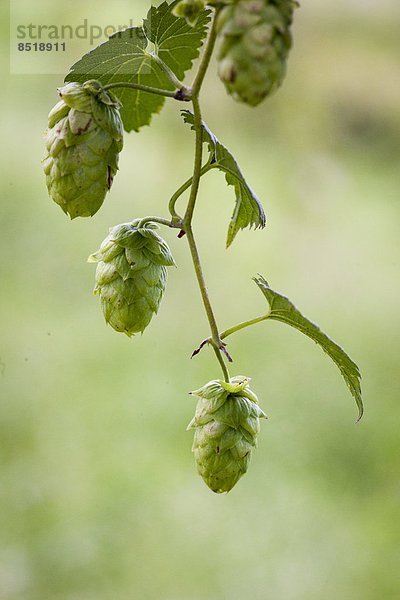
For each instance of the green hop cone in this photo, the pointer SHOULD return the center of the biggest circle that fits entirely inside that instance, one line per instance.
(255, 42)
(131, 275)
(83, 142)
(226, 425)
(189, 10)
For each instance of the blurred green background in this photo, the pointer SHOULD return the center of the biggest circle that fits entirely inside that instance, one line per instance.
(99, 497)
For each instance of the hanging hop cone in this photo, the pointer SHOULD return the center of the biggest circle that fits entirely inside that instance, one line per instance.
(255, 42)
(131, 275)
(83, 142)
(226, 425)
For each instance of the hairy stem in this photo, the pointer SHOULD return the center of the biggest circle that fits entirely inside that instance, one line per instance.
(180, 95)
(198, 159)
(197, 172)
(216, 340)
(222, 363)
(205, 62)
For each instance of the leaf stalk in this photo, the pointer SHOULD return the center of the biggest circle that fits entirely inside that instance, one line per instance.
(243, 325)
(160, 220)
(183, 94)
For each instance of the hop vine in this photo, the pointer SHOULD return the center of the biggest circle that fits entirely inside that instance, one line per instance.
(119, 86)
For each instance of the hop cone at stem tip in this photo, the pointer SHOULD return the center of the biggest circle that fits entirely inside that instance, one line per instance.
(226, 425)
(255, 40)
(83, 142)
(131, 275)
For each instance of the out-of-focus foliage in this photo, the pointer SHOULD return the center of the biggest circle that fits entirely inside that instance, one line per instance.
(99, 497)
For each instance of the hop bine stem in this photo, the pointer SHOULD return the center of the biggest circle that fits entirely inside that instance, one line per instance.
(195, 182)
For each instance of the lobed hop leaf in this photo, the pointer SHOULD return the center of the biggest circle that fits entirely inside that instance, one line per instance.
(248, 211)
(282, 309)
(130, 56)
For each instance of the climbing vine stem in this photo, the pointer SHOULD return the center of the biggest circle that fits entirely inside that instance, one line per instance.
(195, 183)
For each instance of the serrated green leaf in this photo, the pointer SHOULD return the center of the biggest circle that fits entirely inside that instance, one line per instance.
(126, 58)
(282, 309)
(123, 58)
(176, 42)
(248, 210)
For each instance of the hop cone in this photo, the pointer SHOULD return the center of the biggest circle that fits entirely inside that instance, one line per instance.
(189, 10)
(131, 275)
(226, 425)
(255, 43)
(83, 141)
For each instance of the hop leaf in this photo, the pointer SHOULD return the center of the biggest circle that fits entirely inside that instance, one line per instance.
(248, 210)
(283, 310)
(129, 56)
(255, 42)
(131, 275)
(226, 425)
(83, 142)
